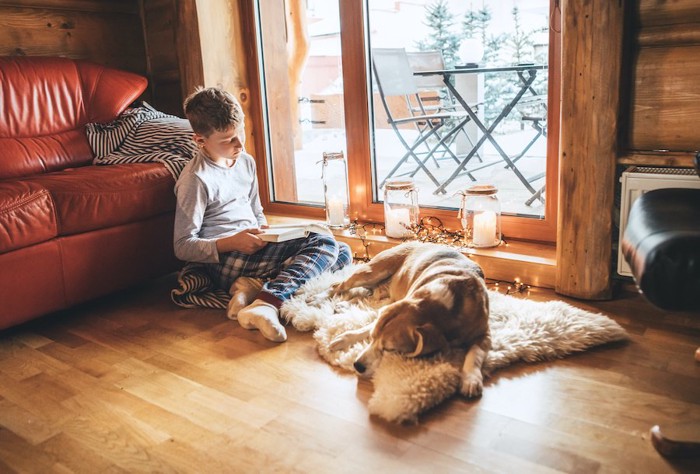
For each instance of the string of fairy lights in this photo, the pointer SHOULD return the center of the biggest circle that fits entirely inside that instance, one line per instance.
(431, 229)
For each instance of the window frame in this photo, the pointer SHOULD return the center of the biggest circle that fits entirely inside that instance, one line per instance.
(353, 23)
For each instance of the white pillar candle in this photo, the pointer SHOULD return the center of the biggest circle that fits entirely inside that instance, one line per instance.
(484, 232)
(336, 213)
(396, 222)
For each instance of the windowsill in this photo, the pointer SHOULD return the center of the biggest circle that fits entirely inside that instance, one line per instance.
(532, 262)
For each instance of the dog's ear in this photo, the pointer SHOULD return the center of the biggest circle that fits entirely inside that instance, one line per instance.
(428, 340)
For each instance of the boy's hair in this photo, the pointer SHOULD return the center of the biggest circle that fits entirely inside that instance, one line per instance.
(212, 110)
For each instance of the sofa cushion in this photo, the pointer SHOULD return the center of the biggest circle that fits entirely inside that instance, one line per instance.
(46, 103)
(27, 215)
(97, 197)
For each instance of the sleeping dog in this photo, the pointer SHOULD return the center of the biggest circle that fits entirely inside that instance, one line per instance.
(438, 302)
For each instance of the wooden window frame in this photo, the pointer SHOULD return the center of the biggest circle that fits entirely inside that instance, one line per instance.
(354, 63)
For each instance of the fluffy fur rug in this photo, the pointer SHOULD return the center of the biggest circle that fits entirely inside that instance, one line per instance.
(521, 330)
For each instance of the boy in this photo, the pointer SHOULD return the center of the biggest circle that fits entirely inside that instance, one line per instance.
(219, 215)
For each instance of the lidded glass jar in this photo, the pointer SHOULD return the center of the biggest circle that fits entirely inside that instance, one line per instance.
(335, 189)
(481, 216)
(401, 209)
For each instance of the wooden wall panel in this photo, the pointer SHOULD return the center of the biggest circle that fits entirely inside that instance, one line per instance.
(135, 35)
(664, 105)
(189, 47)
(159, 29)
(160, 24)
(668, 12)
(666, 99)
(107, 32)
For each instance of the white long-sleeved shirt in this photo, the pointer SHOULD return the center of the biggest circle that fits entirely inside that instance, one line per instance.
(213, 202)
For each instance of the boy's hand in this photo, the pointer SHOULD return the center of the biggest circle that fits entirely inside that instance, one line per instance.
(245, 242)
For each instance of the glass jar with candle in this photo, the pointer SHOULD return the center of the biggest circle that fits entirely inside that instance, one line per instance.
(401, 209)
(335, 189)
(481, 216)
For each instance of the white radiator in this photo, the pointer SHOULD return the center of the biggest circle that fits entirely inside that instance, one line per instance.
(637, 180)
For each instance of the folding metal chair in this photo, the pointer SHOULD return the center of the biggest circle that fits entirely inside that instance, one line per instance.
(432, 95)
(395, 78)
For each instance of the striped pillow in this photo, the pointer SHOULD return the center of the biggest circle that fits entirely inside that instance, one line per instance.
(141, 135)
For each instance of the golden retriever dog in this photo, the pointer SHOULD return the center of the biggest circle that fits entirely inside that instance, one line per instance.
(438, 302)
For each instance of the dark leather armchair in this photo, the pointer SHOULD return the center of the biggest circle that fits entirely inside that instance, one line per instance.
(662, 246)
(661, 243)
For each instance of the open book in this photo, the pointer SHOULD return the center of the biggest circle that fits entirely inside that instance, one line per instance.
(284, 232)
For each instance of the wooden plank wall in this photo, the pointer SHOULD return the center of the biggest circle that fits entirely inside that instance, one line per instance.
(140, 36)
(106, 32)
(164, 34)
(664, 107)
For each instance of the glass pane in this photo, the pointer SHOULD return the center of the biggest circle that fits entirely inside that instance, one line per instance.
(303, 84)
(494, 56)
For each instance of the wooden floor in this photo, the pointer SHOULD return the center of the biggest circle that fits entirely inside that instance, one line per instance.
(131, 383)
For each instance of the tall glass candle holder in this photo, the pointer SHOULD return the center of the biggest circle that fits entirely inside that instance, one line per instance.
(335, 189)
(401, 209)
(480, 215)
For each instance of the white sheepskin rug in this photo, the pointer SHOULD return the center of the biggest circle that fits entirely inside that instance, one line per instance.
(521, 330)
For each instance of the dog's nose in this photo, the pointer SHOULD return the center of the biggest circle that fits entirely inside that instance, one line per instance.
(360, 367)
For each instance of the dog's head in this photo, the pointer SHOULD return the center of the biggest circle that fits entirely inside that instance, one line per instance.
(402, 328)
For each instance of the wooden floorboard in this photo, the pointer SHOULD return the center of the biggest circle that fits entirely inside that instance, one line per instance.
(133, 383)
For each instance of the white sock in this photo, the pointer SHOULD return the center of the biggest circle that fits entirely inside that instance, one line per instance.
(243, 292)
(264, 317)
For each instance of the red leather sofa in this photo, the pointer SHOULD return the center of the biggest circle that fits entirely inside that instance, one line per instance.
(71, 231)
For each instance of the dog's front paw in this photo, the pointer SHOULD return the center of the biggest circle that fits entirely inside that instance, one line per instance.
(337, 288)
(319, 298)
(472, 385)
(340, 342)
(341, 307)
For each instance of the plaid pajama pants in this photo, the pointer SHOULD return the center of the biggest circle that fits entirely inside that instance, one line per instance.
(307, 257)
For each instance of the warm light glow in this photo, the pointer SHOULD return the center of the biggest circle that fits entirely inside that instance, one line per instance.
(359, 189)
(336, 213)
(397, 221)
(484, 233)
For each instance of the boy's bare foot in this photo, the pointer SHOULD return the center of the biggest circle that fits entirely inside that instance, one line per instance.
(264, 317)
(243, 292)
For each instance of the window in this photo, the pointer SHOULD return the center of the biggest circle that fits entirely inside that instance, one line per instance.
(321, 94)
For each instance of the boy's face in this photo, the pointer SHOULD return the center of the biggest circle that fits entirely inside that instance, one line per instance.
(225, 144)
